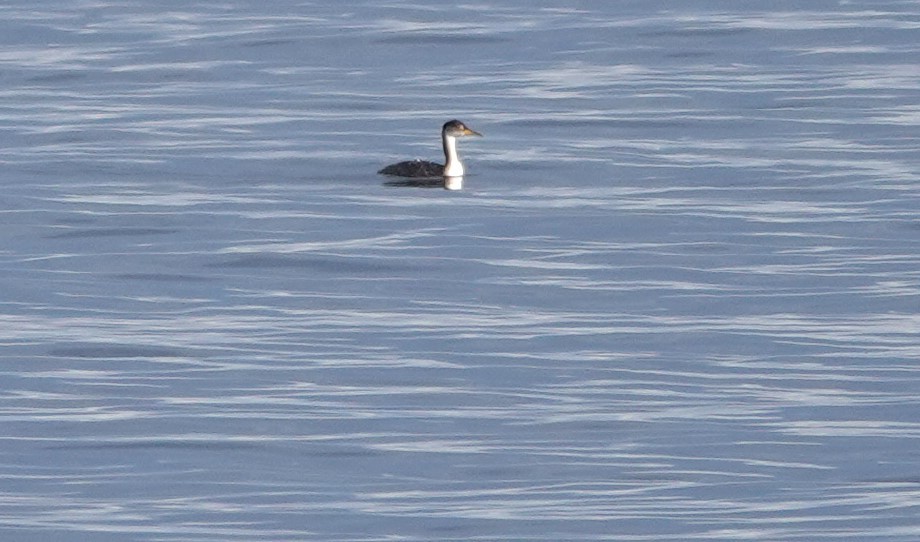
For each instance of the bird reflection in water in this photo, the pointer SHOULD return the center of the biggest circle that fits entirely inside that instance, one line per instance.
(447, 183)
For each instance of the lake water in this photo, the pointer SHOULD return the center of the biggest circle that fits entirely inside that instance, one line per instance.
(676, 298)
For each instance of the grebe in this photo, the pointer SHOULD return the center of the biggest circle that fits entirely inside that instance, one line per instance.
(422, 168)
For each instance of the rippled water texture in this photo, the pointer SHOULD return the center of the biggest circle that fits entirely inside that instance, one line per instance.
(676, 299)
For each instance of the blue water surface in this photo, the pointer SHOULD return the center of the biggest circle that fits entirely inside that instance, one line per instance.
(675, 299)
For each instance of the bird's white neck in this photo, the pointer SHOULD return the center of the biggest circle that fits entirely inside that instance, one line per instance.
(452, 165)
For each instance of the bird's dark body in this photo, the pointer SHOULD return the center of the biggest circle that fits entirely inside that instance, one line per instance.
(414, 168)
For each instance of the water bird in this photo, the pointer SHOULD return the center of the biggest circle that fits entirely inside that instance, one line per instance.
(452, 167)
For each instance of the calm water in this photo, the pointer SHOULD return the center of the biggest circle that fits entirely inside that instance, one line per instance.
(676, 299)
